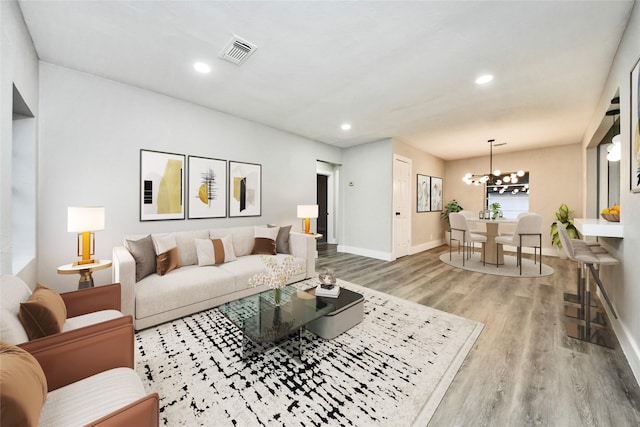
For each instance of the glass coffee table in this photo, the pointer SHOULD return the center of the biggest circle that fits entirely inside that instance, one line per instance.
(264, 324)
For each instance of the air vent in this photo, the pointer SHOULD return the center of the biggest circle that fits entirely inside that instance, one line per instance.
(237, 50)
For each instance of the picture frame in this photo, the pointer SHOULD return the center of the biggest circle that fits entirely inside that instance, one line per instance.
(162, 182)
(245, 189)
(436, 194)
(634, 145)
(423, 196)
(207, 189)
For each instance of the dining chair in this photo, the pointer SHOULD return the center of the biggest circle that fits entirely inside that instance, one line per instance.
(527, 234)
(473, 226)
(520, 215)
(460, 232)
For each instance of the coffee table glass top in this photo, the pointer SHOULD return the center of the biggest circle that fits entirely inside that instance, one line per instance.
(262, 321)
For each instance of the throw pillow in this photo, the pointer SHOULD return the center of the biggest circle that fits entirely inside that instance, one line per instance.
(214, 251)
(167, 261)
(143, 252)
(163, 243)
(23, 387)
(282, 241)
(264, 241)
(43, 313)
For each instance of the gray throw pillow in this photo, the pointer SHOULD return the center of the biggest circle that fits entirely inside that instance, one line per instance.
(282, 241)
(145, 255)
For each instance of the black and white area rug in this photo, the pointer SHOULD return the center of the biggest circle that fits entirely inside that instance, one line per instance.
(391, 369)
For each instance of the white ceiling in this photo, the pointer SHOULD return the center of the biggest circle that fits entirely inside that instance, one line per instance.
(391, 69)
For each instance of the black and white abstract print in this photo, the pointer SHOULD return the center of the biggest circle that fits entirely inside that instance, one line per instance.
(391, 369)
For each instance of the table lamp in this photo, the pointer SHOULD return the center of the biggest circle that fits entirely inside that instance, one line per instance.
(84, 220)
(306, 212)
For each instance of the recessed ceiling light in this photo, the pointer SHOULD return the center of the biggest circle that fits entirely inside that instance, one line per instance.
(484, 79)
(201, 67)
(345, 126)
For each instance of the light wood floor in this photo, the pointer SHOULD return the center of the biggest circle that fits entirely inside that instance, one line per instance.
(523, 369)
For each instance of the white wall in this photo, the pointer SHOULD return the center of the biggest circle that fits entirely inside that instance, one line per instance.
(622, 281)
(91, 131)
(367, 200)
(19, 66)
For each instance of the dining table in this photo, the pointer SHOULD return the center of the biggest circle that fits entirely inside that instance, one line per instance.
(492, 253)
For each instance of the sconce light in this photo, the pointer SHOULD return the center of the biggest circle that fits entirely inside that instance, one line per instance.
(306, 212)
(85, 220)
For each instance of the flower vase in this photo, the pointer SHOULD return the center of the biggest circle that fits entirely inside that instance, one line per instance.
(277, 295)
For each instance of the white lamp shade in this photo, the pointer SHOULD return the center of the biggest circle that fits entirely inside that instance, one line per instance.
(307, 211)
(85, 218)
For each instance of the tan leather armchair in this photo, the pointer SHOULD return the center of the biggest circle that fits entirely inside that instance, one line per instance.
(90, 379)
(85, 309)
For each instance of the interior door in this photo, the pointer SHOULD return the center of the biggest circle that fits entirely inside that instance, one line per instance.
(401, 206)
(321, 198)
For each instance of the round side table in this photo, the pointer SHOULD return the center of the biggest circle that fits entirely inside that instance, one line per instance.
(85, 270)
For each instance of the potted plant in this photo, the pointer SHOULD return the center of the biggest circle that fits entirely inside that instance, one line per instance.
(564, 217)
(495, 210)
(452, 206)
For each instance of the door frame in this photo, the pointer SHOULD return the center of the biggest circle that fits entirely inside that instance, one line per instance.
(407, 160)
(331, 171)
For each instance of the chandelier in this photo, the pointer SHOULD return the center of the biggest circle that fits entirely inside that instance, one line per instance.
(495, 178)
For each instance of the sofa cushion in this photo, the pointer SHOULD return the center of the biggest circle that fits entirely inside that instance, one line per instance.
(247, 266)
(167, 261)
(23, 387)
(144, 253)
(11, 329)
(91, 398)
(14, 291)
(214, 251)
(187, 286)
(43, 313)
(186, 245)
(90, 319)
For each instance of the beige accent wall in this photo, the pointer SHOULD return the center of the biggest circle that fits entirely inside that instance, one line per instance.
(427, 228)
(555, 176)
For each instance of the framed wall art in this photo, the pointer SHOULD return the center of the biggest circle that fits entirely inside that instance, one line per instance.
(161, 185)
(207, 193)
(635, 129)
(423, 188)
(245, 189)
(436, 194)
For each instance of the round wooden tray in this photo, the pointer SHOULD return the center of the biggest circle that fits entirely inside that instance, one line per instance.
(611, 217)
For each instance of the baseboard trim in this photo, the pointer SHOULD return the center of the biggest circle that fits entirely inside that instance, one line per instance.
(628, 345)
(385, 256)
(425, 246)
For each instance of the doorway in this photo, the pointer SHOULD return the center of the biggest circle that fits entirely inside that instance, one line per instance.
(322, 198)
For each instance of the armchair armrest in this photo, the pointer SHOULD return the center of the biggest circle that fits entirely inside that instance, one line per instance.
(141, 413)
(304, 246)
(74, 355)
(89, 300)
(124, 272)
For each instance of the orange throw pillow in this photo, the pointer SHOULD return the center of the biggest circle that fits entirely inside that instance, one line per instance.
(23, 387)
(43, 314)
(167, 261)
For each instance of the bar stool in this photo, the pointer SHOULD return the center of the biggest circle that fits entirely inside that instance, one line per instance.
(591, 259)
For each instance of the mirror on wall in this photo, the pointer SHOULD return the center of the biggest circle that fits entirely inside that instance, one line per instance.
(609, 163)
(511, 191)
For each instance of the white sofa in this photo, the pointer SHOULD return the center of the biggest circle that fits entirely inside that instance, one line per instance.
(192, 288)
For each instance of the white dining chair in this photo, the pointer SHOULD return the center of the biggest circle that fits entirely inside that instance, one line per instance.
(527, 234)
(473, 226)
(520, 215)
(460, 232)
